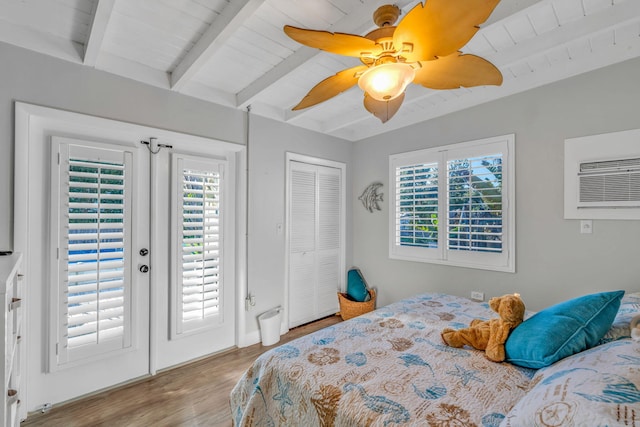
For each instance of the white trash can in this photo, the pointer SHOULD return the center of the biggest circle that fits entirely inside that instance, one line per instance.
(270, 326)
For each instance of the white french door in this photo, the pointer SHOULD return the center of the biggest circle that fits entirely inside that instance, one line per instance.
(129, 248)
(98, 294)
(315, 197)
(200, 319)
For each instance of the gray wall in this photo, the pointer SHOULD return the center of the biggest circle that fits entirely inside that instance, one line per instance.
(43, 80)
(267, 203)
(554, 261)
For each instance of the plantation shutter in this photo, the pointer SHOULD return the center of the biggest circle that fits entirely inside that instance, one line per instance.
(454, 205)
(198, 233)
(94, 274)
(417, 205)
(475, 204)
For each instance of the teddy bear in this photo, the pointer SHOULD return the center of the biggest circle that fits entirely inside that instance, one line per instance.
(489, 335)
(635, 327)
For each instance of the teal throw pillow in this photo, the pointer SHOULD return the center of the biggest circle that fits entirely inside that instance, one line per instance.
(562, 330)
(356, 287)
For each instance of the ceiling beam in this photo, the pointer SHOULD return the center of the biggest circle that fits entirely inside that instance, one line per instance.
(505, 9)
(220, 30)
(354, 21)
(247, 95)
(101, 16)
(611, 17)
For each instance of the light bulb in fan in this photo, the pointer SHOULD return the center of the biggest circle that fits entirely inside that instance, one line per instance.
(386, 81)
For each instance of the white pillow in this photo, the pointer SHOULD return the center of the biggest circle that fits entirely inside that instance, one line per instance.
(629, 308)
(598, 387)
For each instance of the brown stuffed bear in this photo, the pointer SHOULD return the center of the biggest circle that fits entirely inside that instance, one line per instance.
(489, 335)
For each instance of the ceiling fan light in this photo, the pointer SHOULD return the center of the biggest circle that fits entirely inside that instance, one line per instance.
(387, 81)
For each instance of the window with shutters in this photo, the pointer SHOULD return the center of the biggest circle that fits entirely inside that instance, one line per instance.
(455, 205)
(92, 222)
(197, 221)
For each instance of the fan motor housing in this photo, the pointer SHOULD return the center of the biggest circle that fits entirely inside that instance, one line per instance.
(386, 15)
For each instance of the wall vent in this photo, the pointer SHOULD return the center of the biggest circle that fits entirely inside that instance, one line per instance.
(609, 183)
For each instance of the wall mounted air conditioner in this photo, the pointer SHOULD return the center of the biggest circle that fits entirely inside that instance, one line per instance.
(609, 183)
(602, 176)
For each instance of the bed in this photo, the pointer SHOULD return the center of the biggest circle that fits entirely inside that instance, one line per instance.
(389, 367)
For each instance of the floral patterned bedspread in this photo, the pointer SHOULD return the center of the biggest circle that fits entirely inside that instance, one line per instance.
(385, 368)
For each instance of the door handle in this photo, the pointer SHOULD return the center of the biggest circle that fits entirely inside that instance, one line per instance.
(144, 268)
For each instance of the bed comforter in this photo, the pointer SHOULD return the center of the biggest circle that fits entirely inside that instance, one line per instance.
(388, 367)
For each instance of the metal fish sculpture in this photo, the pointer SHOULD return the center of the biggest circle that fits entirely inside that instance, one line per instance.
(370, 198)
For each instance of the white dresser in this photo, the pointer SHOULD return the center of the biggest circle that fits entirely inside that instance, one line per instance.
(11, 322)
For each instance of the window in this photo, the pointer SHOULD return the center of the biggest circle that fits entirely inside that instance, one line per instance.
(197, 230)
(455, 205)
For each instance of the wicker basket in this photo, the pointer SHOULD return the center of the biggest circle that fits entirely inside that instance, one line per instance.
(349, 308)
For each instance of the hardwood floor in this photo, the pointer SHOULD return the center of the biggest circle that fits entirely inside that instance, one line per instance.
(196, 394)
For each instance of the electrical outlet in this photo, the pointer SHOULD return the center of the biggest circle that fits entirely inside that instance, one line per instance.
(477, 296)
(586, 226)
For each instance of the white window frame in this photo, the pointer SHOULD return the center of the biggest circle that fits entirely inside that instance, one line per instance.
(502, 261)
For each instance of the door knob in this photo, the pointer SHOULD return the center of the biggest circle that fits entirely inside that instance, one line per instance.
(144, 268)
(144, 251)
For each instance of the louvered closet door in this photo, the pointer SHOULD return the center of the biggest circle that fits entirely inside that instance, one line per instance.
(98, 306)
(315, 241)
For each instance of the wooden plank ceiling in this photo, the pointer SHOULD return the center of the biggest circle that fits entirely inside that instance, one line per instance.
(235, 53)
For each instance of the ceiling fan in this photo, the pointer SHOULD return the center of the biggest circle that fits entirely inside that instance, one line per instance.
(423, 48)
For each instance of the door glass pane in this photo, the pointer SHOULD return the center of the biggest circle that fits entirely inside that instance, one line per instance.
(200, 244)
(198, 220)
(95, 304)
(94, 285)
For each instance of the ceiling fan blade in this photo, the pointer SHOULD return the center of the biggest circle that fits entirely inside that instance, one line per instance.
(440, 27)
(383, 110)
(340, 43)
(457, 70)
(331, 86)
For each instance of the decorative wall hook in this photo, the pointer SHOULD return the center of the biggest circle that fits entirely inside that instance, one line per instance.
(370, 197)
